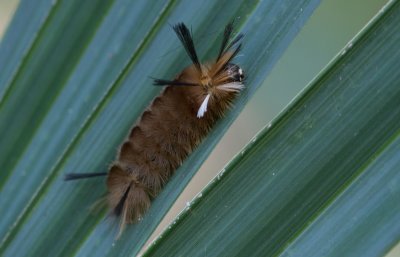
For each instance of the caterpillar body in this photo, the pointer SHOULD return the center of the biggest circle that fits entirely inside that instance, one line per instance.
(172, 127)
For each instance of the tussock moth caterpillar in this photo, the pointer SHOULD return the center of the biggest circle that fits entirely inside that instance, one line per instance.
(171, 127)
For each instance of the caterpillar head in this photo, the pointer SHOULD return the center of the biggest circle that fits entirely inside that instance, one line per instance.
(213, 81)
(220, 84)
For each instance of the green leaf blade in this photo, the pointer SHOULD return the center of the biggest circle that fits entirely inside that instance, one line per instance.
(14, 46)
(99, 120)
(72, 108)
(368, 214)
(42, 75)
(317, 148)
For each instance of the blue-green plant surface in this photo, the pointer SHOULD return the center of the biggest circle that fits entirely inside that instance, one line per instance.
(320, 180)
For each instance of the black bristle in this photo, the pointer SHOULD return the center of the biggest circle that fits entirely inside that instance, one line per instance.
(234, 41)
(164, 82)
(186, 38)
(73, 176)
(237, 50)
(118, 209)
(225, 40)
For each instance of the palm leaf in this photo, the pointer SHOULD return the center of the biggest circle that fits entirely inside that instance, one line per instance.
(321, 180)
(78, 79)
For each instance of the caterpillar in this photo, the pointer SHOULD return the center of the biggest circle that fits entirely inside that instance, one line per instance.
(171, 127)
